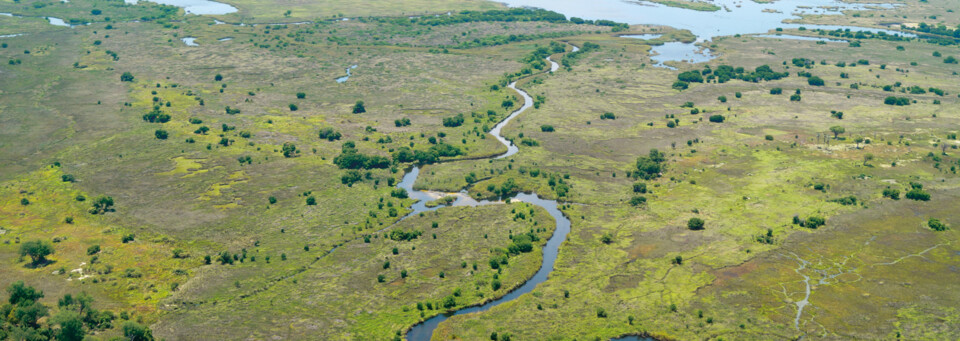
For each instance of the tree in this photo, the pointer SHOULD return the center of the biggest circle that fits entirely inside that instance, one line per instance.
(218, 77)
(161, 134)
(717, 118)
(71, 326)
(358, 108)
(311, 201)
(102, 204)
(126, 77)
(815, 81)
(289, 149)
(38, 250)
(936, 225)
(21, 293)
(301, 95)
(136, 332)
(293, 107)
(837, 130)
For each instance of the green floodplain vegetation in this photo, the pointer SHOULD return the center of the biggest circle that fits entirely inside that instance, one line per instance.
(785, 189)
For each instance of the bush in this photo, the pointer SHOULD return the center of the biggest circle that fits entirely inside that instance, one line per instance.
(454, 121)
(814, 222)
(301, 95)
(161, 134)
(918, 194)
(936, 225)
(680, 85)
(898, 101)
(289, 149)
(717, 118)
(311, 201)
(638, 200)
(722, 99)
(795, 98)
(329, 134)
(695, 224)
(126, 77)
(690, 77)
(608, 116)
(640, 187)
(891, 193)
(358, 108)
(776, 91)
(92, 250)
(815, 81)
(546, 128)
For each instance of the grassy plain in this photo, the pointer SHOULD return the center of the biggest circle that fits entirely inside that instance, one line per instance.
(875, 270)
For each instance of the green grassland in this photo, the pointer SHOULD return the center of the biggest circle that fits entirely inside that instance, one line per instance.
(304, 244)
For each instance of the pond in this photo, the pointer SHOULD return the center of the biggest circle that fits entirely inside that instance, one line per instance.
(190, 41)
(199, 7)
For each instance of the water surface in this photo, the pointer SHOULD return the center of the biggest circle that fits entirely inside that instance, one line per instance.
(199, 7)
(345, 78)
(190, 41)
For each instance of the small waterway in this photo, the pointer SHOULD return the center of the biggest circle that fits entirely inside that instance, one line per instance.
(424, 330)
(345, 78)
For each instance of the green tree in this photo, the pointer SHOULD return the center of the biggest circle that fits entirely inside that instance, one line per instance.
(358, 108)
(289, 149)
(301, 95)
(71, 326)
(21, 293)
(161, 134)
(136, 332)
(837, 130)
(102, 204)
(38, 250)
(126, 77)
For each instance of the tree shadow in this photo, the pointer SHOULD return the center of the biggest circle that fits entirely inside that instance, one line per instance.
(39, 264)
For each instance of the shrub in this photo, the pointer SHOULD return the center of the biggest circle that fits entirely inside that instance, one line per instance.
(695, 224)
(311, 201)
(936, 225)
(126, 77)
(329, 134)
(815, 81)
(358, 108)
(301, 95)
(722, 99)
(776, 91)
(640, 187)
(898, 101)
(289, 149)
(814, 222)
(638, 200)
(680, 85)
(717, 118)
(918, 194)
(546, 128)
(161, 134)
(891, 193)
(454, 121)
(608, 116)
(92, 250)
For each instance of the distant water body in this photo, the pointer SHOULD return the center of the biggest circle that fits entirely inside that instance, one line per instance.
(199, 7)
(734, 17)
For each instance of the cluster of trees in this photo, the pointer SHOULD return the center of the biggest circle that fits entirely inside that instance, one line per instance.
(156, 116)
(454, 121)
(402, 122)
(429, 156)
(329, 134)
(402, 236)
(936, 225)
(812, 222)
(650, 166)
(522, 243)
(24, 317)
(898, 101)
(724, 73)
(571, 58)
(917, 193)
(850, 34)
(351, 158)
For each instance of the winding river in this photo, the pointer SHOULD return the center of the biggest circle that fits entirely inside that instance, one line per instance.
(424, 330)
